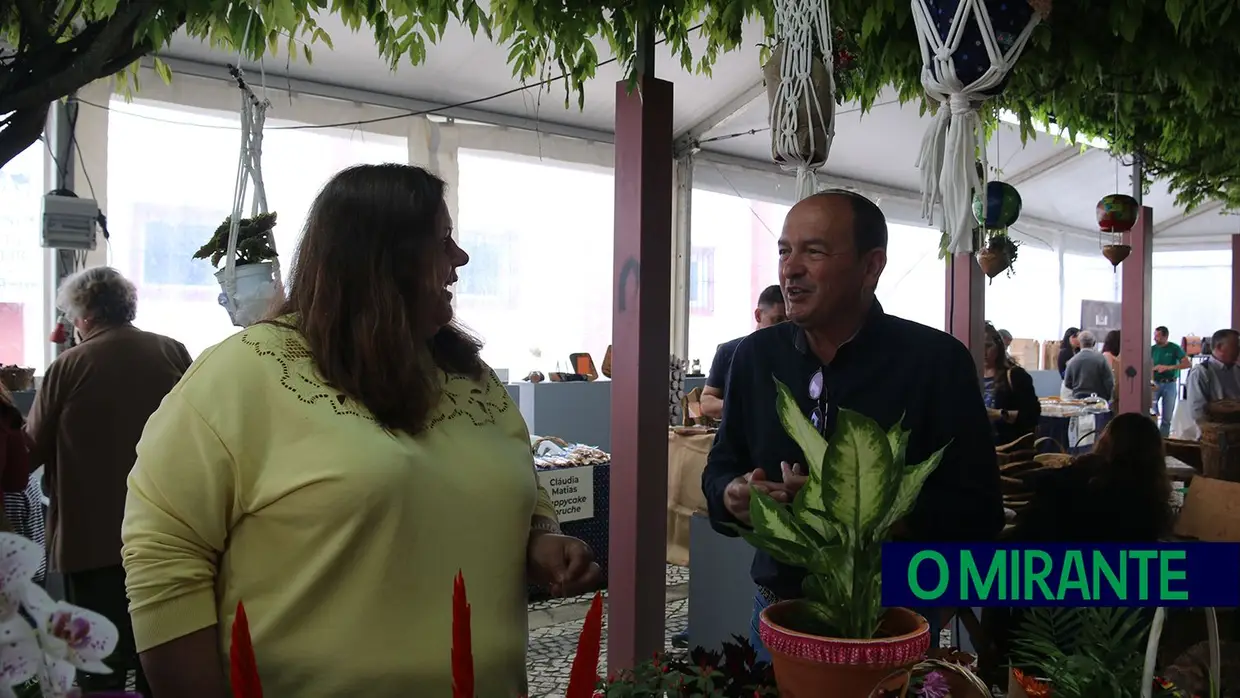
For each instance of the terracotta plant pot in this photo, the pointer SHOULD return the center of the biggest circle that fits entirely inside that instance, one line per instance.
(992, 262)
(1116, 253)
(808, 666)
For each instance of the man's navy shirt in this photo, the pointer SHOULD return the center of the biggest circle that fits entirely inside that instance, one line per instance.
(721, 366)
(892, 367)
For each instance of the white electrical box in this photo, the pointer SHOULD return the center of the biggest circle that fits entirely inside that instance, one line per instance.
(69, 222)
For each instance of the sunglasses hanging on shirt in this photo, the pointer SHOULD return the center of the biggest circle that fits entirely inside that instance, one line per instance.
(818, 392)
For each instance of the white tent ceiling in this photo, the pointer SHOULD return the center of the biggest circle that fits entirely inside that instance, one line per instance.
(873, 152)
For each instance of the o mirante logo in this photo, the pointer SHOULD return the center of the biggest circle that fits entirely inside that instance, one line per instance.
(1060, 574)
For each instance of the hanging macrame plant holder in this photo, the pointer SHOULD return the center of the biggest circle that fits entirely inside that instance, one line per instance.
(249, 290)
(968, 48)
(800, 89)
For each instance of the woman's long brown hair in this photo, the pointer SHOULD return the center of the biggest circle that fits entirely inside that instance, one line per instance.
(365, 287)
(1002, 383)
(1135, 462)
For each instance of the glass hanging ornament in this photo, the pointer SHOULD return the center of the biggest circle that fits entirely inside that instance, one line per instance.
(995, 213)
(1117, 214)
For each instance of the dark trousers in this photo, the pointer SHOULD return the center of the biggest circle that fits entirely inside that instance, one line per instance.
(103, 591)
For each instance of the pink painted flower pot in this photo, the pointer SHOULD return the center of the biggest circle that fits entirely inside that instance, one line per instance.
(808, 666)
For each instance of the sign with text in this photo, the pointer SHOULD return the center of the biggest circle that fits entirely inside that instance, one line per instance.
(571, 490)
(1061, 574)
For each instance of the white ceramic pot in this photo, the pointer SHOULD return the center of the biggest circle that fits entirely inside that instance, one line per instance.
(256, 293)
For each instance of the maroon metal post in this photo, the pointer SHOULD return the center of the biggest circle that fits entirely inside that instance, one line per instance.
(1235, 281)
(641, 334)
(965, 304)
(1136, 365)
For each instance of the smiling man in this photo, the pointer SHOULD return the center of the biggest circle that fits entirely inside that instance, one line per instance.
(839, 349)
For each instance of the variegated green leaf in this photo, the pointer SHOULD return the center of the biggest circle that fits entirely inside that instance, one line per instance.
(858, 481)
(827, 531)
(911, 480)
(784, 551)
(897, 436)
(813, 448)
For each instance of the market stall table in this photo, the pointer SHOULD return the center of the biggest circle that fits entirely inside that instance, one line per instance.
(578, 479)
(1072, 425)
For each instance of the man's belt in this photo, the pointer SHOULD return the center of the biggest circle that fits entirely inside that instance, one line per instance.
(767, 595)
(1160, 381)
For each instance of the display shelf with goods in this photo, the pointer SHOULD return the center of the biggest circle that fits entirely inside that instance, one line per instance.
(577, 478)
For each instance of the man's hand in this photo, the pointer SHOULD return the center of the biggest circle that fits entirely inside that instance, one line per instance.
(736, 495)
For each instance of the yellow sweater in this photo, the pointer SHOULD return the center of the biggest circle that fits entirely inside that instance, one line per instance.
(255, 482)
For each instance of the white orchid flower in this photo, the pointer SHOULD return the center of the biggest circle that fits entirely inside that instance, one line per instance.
(40, 637)
(20, 559)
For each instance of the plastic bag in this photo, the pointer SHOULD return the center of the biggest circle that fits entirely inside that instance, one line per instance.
(1182, 425)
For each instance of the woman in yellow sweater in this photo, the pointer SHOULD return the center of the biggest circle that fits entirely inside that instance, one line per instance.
(334, 468)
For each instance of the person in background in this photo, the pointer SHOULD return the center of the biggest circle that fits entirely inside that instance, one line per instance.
(335, 468)
(1110, 351)
(770, 311)
(1007, 339)
(1011, 401)
(1068, 348)
(1216, 378)
(1089, 373)
(841, 350)
(14, 457)
(85, 423)
(1168, 359)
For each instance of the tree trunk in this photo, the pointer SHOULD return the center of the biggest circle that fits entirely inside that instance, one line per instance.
(21, 129)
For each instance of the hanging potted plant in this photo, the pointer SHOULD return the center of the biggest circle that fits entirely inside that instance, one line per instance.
(838, 641)
(257, 275)
(801, 92)
(997, 212)
(998, 255)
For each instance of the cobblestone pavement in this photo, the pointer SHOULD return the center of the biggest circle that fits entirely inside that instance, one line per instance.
(555, 626)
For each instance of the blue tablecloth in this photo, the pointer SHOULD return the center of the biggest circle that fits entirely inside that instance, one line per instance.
(595, 530)
(1057, 428)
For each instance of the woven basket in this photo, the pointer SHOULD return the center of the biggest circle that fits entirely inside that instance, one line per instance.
(1151, 650)
(1225, 411)
(16, 378)
(1220, 451)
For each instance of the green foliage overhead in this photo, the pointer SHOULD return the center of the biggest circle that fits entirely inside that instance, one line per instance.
(50, 49)
(561, 35)
(1160, 69)
(858, 487)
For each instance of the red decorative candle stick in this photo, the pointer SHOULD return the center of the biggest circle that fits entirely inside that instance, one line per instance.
(584, 675)
(462, 642)
(244, 667)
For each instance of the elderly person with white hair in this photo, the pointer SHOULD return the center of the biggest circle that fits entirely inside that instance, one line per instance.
(1089, 372)
(85, 424)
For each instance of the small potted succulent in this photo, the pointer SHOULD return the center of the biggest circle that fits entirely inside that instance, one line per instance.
(257, 282)
(838, 641)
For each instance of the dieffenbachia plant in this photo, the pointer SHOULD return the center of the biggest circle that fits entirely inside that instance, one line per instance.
(858, 487)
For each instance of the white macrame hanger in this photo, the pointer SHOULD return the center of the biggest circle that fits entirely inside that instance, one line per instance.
(249, 170)
(802, 23)
(947, 160)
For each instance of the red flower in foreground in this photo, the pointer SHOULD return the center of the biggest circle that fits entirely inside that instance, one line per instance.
(462, 642)
(244, 668)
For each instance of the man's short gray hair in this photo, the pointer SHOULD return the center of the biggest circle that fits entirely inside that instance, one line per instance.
(1087, 339)
(99, 294)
